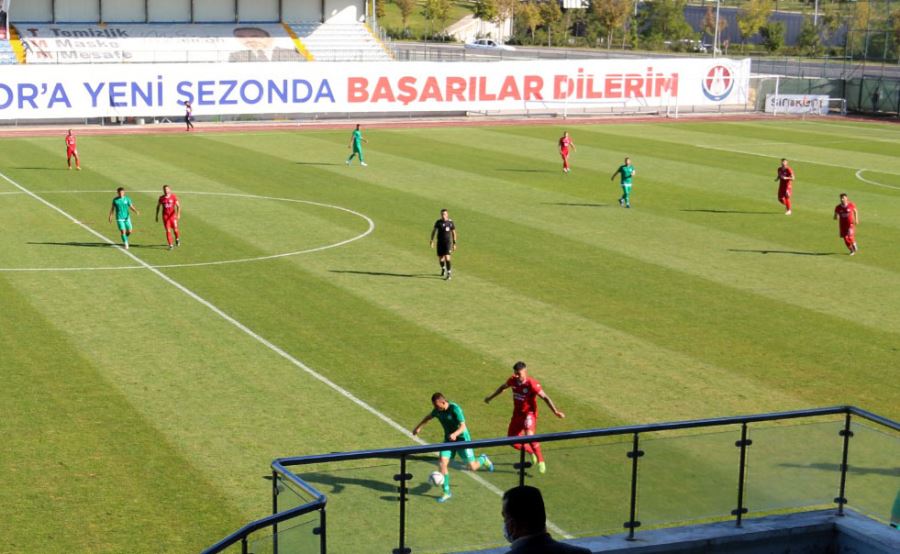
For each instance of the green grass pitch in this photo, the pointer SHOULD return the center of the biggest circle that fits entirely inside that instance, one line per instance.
(137, 418)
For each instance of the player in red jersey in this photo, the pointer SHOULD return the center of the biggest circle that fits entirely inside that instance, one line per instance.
(524, 418)
(848, 219)
(564, 143)
(171, 209)
(785, 179)
(72, 151)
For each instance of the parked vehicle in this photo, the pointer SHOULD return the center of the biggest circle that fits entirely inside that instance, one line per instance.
(487, 44)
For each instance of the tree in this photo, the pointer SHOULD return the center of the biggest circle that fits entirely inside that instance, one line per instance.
(612, 15)
(406, 9)
(437, 11)
(773, 36)
(486, 10)
(665, 21)
(752, 17)
(552, 16)
(808, 41)
(530, 16)
(379, 8)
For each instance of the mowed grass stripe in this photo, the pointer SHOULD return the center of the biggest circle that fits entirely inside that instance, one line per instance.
(77, 447)
(661, 240)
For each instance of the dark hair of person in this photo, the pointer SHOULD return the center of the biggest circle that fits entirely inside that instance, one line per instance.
(519, 366)
(525, 506)
(437, 396)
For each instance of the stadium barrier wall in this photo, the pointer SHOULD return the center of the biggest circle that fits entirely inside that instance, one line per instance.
(30, 92)
(293, 498)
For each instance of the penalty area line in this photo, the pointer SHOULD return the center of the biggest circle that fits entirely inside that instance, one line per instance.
(255, 336)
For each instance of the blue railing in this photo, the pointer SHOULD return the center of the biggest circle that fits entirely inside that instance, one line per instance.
(318, 503)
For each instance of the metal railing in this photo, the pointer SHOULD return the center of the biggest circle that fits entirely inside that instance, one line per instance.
(282, 474)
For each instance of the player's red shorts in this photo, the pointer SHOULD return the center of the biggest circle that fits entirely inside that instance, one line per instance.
(784, 191)
(848, 231)
(71, 152)
(521, 424)
(170, 222)
(564, 152)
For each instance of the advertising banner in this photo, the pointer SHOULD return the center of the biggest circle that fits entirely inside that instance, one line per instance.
(797, 103)
(150, 90)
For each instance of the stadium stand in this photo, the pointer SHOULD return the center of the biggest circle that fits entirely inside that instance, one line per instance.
(156, 43)
(7, 54)
(340, 42)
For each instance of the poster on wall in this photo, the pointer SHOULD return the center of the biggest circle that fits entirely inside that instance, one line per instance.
(131, 90)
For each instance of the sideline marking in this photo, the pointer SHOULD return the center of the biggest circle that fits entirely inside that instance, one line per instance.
(366, 233)
(252, 334)
(861, 178)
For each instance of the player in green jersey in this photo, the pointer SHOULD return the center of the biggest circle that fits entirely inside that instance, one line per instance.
(356, 140)
(455, 430)
(625, 172)
(122, 206)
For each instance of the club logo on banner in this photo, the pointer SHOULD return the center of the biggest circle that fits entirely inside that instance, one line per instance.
(718, 83)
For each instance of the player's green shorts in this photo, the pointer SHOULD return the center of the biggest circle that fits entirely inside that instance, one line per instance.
(465, 454)
(124, 224)
(626, 188)
(357, 148)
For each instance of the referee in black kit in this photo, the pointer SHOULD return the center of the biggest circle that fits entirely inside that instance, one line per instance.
(446, 241)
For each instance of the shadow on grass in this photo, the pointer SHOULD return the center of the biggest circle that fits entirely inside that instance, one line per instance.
(790, 252)
(518, 170)
(854, 469)
(575, 204)
(387, 274)
(99, 244)
(732, 212)
(317, 163)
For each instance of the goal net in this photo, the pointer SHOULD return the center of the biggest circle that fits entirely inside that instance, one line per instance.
(778, 94)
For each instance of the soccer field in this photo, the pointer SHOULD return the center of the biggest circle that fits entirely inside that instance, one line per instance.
(145, 393)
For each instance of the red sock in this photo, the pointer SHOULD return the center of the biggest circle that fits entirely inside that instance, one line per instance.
(537, 451)
(169, 237)
(787, 203)
(176, 234)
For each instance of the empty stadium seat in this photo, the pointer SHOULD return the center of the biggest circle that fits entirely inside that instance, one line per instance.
(340, 42)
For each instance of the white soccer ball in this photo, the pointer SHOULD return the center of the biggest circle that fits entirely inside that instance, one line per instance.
(436, 478)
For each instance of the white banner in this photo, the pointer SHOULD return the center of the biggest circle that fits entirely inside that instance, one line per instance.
(797, 103)
(130, 90)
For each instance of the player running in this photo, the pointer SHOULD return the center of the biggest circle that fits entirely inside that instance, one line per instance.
(625, 172)
(121, 205)
(564, 143)
(445, 230)
(455, 430)
(356, 140)
(785, 180)
(72, 151)
(848, 219)
(524, 419)
(171, 209)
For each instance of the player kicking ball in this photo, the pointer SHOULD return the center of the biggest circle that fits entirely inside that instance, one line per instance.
(122, 206)
(171, 210)
(848, 219)
(526, 390)
(455, 430)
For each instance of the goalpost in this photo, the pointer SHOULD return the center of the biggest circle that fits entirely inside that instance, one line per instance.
(779, 94)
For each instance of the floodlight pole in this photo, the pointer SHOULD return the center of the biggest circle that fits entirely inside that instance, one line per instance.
(716, 35)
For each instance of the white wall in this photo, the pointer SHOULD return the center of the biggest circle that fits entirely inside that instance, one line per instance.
(123, 11)
(77, 11)
(169, 11)
(258, 10)
(301, 10)
(337, 11)
(31, 10)
(217, 11)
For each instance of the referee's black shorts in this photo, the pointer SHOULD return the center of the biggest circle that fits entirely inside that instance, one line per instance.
(444, 248)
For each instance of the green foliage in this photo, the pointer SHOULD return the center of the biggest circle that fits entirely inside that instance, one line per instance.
(551, 14)
(487, 10)
(611, 16)
(664, 20)
(406, 9)
(379, 8)
(773, 36)
(752, 17)
(808, 42)
(530, 17)
(437, 12)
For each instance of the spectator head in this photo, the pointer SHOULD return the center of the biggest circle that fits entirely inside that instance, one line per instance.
(253, 38)
(523, 512)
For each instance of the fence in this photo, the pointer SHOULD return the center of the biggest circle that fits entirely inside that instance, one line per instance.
(616, 478)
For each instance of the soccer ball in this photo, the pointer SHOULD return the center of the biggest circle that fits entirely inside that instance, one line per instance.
(436, 478)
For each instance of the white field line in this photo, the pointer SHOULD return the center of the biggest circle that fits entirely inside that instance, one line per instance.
(877, 184)
(252, 334)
